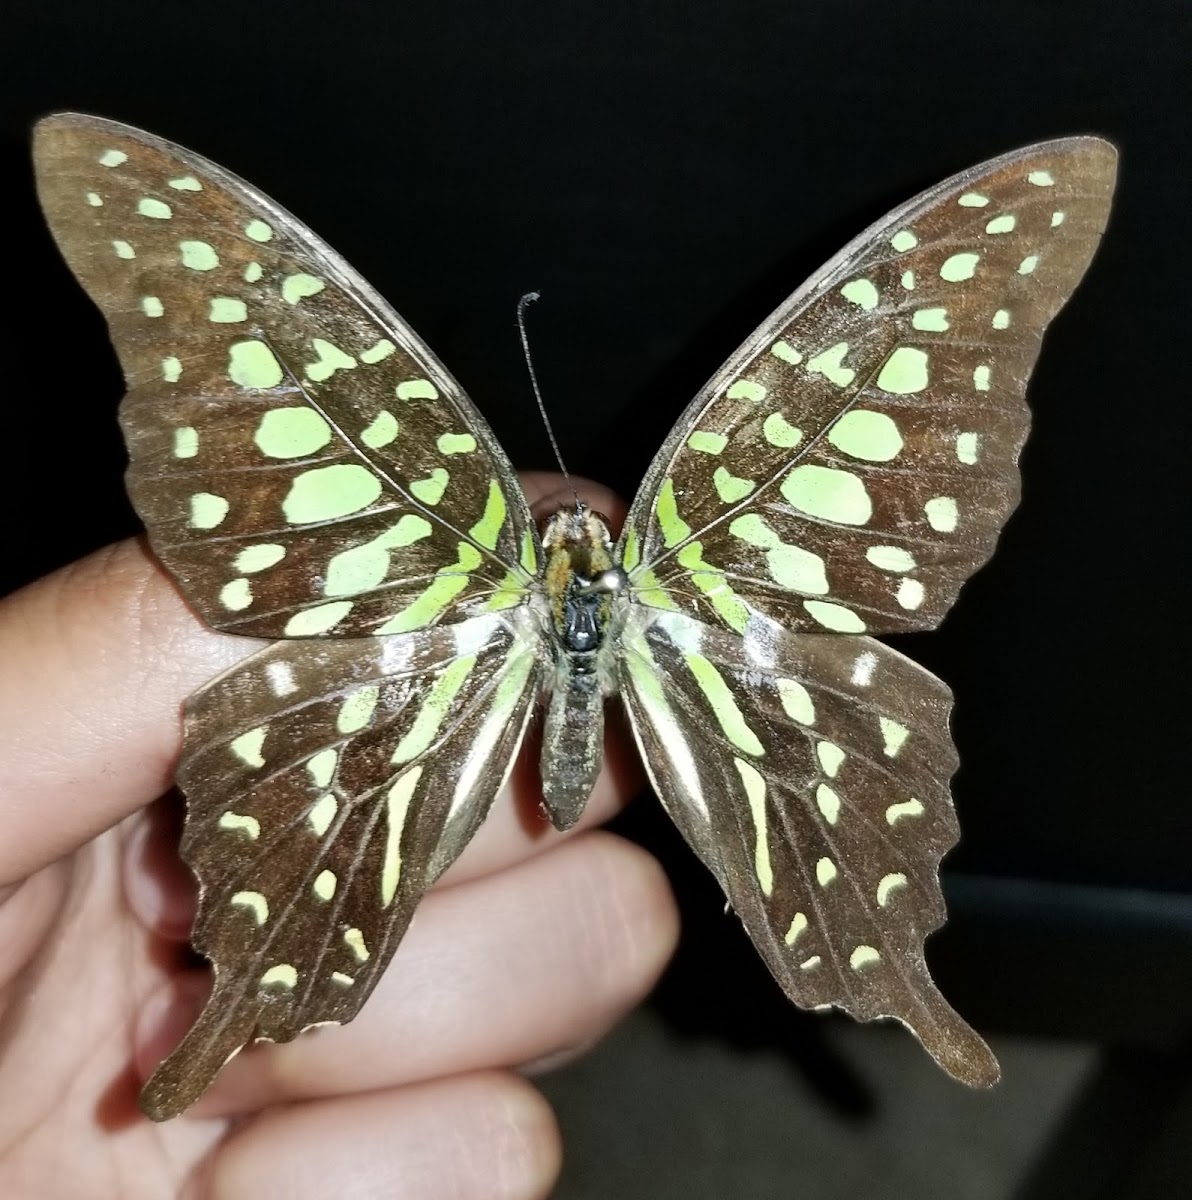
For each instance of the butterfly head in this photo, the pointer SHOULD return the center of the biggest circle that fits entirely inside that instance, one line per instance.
(576, 525)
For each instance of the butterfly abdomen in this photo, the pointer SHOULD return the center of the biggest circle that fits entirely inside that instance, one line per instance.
(581, 586)
(572, 738)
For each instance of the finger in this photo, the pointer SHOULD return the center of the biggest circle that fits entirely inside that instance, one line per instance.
(105, 651)
(548, 491)
(493, 973)
(97, 661)
(474, 1137)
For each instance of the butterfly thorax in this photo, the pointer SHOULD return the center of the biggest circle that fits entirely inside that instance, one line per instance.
(582, 585)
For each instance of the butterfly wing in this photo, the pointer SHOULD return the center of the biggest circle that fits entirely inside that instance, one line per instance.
(329, 783)
(853, 463)
(845, 472)
(813, 781)
(308, 471)
(303, 463)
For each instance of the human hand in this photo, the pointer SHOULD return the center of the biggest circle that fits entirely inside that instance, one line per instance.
(418, 1097)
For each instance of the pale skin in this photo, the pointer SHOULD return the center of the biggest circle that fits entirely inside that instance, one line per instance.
(531, 947)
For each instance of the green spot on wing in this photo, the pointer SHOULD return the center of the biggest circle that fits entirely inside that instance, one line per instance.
(328, 493)
(712, 581)
(311, 622)
(198, 256)
(729, 487)
(227, 310)
(381, 431)
(433, 711)
(417, 389)
(891, 558)
(207, 510)
(674, 528)
(778, 431)
(746, 389)
(375, 354)
(730, 718)
(430, 490)
(862, 293)
(872, 436)
(835, 616)
(632, 554)
(364, 567)
(529, 555)
(456, 443)
(825, 492)
(427, 607)
(291, 433)
(707, 443)
(186, 441)
(159, 210)
(487, 530)
(357, 710)
(300, 287)
(331, 359)
(253, 365)
(259, 558)
(904, 372)
(930, 320)
(829, 362)
(236, 595)
(959, 267)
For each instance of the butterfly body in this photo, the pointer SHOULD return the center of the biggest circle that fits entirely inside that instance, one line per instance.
(312, 475)
(584, 592)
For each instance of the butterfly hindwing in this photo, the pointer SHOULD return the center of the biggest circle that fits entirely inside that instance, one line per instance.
(853, 463)
(328, 785)
(304, 464)
(811, 775)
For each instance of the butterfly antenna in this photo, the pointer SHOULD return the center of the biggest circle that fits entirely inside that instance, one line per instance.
(522, 305)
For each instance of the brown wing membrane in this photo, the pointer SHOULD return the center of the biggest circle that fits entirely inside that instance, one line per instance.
(304, 464)
(329, 783)
(810, 773)
(853, 463)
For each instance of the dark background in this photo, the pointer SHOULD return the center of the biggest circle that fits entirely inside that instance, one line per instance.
(665, 173)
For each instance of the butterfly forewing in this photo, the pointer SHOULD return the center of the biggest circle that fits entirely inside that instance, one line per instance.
(854, 462)
(328, 784)
(304, 465)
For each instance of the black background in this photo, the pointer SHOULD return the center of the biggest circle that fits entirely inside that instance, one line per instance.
(665, 173)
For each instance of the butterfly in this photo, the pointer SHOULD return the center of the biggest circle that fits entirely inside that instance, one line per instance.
(310, 474)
